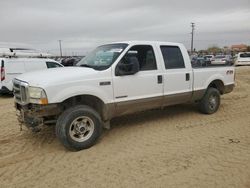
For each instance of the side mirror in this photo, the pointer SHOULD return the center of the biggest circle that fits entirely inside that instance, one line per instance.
(127, 66)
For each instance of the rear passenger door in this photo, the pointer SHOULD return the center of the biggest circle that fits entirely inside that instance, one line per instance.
(142, 90)
(177, 77)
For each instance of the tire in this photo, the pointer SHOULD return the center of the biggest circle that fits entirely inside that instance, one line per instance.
(79, 127)
(210, 102)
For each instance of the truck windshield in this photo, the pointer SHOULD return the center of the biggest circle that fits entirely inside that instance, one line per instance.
(103, 56)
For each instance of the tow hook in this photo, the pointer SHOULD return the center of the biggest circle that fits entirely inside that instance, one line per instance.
(36, 129)
(35, 126)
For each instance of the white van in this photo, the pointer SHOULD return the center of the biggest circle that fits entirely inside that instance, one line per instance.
(12, 67)
(243, 58)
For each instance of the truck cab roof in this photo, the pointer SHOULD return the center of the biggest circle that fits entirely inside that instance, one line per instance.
(135, 42)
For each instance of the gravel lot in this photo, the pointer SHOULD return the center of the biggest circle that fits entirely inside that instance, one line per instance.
(175, 147)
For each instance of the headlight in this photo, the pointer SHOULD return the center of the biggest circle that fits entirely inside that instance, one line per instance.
(37, 95)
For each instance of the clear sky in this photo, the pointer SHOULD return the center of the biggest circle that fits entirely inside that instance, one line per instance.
(83, 24)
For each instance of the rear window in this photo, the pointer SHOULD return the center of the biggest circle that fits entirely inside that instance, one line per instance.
(245, 55)
(172, 56)
(219, 56)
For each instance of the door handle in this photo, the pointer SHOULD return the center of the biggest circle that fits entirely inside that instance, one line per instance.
(159, 79)
(187, 76)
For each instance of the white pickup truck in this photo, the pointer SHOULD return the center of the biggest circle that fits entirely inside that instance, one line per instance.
(114, 80)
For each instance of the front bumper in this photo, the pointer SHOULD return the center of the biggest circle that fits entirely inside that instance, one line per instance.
(242, 63)
(33, 115)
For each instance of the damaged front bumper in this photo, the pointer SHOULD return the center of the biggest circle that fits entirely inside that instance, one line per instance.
(34, 115)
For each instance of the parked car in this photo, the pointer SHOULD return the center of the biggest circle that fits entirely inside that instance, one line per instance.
(243, 58)
(70, 61)
(199, 62)
(222, 60)
(114, 80)
(209, 58)
(12, 67)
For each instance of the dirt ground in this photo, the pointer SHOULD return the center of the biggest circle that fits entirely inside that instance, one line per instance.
(175, 147)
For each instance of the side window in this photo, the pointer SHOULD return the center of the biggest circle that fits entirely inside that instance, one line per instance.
(172, 56)
(52, 65)
(145, 55)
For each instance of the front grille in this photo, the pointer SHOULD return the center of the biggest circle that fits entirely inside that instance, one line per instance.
(20, 90)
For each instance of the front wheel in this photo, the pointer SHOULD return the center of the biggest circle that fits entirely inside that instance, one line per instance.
(210, 102)
(79, 127)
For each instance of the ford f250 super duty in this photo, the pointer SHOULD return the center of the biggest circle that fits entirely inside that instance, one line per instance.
(114, 80)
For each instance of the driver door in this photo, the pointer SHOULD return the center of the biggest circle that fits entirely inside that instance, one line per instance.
(142, 90)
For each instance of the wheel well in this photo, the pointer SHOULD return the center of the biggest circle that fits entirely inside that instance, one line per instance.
(217, 84)
(89, 100)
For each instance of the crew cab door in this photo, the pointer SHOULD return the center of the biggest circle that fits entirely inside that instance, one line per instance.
(177, 76)
(140, 90)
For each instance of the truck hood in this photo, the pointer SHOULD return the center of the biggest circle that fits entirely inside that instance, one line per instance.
(55, 76)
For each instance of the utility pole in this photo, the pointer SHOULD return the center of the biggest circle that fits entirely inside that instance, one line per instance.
(192, 37)
(60, 45)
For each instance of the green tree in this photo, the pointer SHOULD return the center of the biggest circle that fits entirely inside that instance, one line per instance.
(214, 49)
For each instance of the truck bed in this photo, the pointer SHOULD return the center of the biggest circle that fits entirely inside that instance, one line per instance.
(203, 76)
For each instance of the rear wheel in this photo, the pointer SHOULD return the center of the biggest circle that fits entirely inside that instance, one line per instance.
(79, 127)
(210, 102)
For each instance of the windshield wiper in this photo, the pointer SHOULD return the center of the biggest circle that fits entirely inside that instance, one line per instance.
(86, 65)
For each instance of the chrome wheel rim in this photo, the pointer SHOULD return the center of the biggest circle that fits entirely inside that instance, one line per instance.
(81, 129)
(212, 102)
